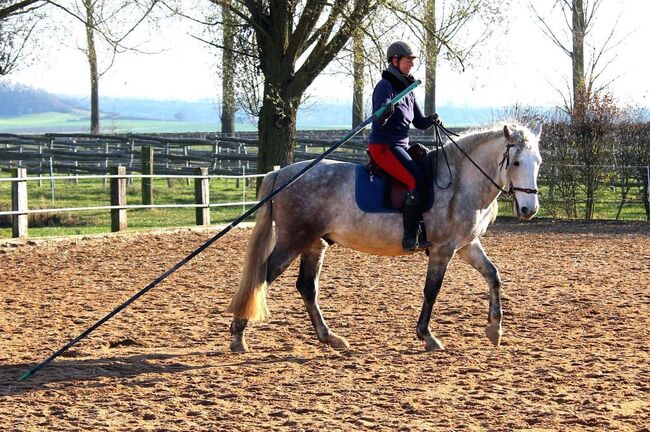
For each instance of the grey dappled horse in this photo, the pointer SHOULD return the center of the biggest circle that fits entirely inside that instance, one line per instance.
(320, 208)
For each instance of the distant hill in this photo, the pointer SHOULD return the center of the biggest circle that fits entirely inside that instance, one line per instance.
(17, 100)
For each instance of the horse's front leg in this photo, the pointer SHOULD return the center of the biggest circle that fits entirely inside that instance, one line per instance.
(438, 261)
(474, 254)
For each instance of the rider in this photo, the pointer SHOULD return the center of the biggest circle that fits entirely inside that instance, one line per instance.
(389, 138)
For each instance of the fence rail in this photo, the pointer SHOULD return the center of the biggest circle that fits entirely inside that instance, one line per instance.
(20, 211)
(87, 153)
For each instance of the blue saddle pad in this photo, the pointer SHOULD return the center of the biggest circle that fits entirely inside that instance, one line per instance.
(369, 192)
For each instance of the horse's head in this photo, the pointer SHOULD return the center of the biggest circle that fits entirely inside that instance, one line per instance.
(521, 162)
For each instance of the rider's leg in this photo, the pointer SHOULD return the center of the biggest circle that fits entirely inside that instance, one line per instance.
(395, 164)
(414, 238)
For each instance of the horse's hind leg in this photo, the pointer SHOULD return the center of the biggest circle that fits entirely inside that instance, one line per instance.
(281, 257)
(311, 261)
(475, 256)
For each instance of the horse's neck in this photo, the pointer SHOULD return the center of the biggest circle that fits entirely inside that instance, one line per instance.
(487, 155)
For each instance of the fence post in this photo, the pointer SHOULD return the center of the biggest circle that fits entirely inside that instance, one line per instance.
(202, 196)
(52, 170)
(105, 161)
(19, 222)
(147, 169)
(118, 198)
(647, 192)
(243, 191)
(187, 162)
(170, 181)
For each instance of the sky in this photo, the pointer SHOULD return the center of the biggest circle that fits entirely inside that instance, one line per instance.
(518, 65)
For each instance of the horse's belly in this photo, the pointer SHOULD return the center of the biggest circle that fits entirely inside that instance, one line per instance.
(373, 234)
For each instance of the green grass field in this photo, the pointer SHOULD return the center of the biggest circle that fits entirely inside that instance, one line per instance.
(92, 192)
(61, 122)
(70, 123)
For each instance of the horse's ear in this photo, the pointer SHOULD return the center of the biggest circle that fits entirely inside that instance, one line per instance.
(506, 133)
(537, 130)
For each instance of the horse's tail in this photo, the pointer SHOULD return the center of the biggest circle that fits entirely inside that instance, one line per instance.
(249, 302)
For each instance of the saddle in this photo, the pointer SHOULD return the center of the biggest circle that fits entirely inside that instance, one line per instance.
(394, 191)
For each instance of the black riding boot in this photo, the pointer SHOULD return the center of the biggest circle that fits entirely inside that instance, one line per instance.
(412, 213)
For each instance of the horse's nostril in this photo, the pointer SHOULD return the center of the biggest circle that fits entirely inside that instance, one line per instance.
(524, 210)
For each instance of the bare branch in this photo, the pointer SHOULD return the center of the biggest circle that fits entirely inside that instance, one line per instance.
(216, 45)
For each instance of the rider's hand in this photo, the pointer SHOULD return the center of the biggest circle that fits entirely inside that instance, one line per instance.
(435, 119)
(390, 109)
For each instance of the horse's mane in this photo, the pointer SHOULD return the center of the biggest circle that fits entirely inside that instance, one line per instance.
(470, 140)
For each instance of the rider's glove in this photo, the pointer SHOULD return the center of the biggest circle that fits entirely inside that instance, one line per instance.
(435, 119)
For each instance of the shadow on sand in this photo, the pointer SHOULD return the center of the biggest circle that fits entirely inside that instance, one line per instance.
(60, 371)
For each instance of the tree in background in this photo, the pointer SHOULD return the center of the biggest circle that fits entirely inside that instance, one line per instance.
(632, 158)
(579, 17)
(18, 19)
(111, 23)
(286, 31)
(228, 67)
(235, 47)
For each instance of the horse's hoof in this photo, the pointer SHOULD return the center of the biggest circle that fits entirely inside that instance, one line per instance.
(238, 345)
(433, 344)
(337, 342)
(494, 333)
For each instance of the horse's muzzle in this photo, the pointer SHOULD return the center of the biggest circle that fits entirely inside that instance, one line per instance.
(527, 213)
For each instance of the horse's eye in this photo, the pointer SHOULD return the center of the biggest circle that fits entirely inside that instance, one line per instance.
(516, 163)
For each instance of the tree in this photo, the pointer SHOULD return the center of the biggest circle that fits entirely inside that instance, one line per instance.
(358, 77)
(228, 106)
(594, 117)
(579, 18)
(107, 25)
(18, 19)
(234, 42)
(295, 41)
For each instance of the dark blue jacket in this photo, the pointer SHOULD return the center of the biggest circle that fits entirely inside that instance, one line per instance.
(395, 130)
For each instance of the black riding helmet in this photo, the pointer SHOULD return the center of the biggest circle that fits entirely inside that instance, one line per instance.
(399, 49)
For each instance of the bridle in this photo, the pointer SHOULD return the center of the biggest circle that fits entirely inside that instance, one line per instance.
(505, 160)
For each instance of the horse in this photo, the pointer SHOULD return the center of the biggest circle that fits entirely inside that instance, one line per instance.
(319, 209)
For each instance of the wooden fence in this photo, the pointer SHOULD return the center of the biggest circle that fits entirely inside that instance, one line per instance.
(85, 153)
(118, 207)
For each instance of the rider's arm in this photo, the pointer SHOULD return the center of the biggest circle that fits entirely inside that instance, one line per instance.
(421, 121)
(382, 94)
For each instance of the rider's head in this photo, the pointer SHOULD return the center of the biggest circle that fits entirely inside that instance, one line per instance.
(401, 55)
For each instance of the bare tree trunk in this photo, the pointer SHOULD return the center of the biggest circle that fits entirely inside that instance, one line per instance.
(578, 51)
(432, 48)
(92, 62)
(277, 128)
(358, 65)
(228, 106)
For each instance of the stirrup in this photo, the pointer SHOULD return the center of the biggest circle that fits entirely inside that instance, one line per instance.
(422, 242)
